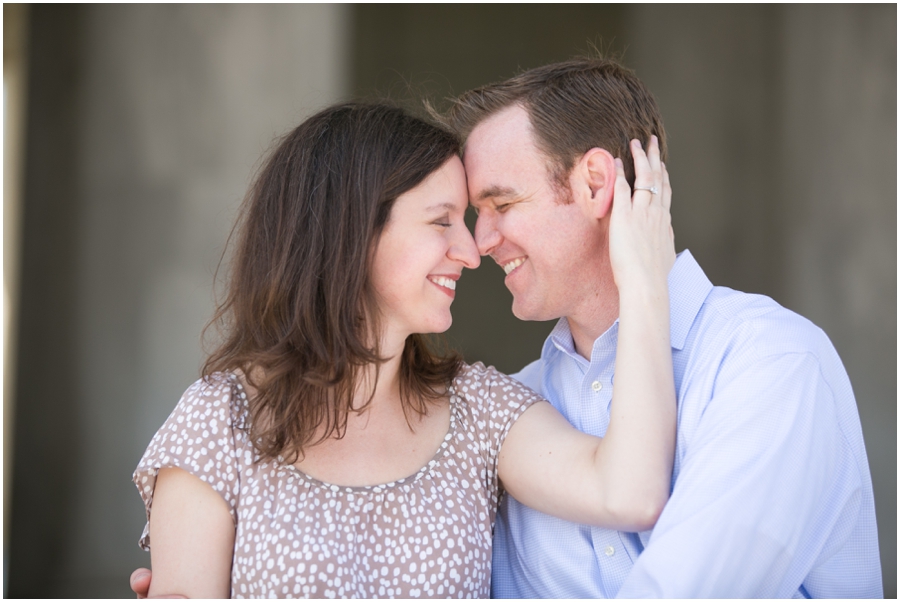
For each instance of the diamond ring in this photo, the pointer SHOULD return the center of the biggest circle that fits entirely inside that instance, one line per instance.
(650, 189)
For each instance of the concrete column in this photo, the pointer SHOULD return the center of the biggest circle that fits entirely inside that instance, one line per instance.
(15, 84)
(840, 150)
(714, 71)
(173, 107)
(783, 133)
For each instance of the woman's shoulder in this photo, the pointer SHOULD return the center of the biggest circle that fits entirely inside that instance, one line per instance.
(211, 406)
(487, 386)
(474, 380)
(210, 414)
(478, 375)
(479, 372)
(215, 385)
(489, 402)
(221, 393)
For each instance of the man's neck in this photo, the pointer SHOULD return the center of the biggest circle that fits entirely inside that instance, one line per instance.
(588, 325)
(596, 306)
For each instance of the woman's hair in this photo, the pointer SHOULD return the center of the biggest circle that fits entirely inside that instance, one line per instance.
(300, 319)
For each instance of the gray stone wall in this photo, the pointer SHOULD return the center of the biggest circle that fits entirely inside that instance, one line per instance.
(146, 124)
(783, 142)
(840, 113)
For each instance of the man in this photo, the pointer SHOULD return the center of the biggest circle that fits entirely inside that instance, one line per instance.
(771, 492)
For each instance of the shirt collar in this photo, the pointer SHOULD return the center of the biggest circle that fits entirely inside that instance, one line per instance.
(561, 340)
(688, 289)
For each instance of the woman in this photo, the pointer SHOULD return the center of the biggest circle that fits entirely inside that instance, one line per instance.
(328, 452)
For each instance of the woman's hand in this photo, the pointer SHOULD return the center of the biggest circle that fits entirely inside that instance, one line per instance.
(622, 480)
(641, 241)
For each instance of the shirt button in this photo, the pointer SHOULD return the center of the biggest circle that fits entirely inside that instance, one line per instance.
(610, 551)
(596, 386)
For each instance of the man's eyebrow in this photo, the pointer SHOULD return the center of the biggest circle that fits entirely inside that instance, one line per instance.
(494, 192)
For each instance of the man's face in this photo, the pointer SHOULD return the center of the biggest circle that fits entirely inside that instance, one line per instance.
(549, 249)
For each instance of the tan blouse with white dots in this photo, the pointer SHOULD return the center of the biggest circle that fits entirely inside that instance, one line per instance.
(426, 535)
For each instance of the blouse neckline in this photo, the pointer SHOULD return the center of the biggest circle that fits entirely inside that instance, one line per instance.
(379, 487)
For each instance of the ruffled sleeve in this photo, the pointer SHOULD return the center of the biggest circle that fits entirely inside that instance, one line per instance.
(495, 401)
(200, 437)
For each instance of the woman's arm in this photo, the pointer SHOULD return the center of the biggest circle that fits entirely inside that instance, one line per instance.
(191, 538)
(622, 480)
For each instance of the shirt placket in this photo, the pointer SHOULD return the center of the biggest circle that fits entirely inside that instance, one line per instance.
(614, 551)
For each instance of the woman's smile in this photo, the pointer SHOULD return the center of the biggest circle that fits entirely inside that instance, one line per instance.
(447, 284)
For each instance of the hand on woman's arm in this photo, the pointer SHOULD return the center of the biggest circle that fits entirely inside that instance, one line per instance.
(622, 480)
(191, 538)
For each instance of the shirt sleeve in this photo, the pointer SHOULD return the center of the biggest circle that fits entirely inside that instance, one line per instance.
(198, 437)
(747, 515)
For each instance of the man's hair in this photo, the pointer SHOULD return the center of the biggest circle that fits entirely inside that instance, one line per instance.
(574, 106)
(300, 316)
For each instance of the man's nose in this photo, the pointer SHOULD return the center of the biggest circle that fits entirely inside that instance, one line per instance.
(487, 237)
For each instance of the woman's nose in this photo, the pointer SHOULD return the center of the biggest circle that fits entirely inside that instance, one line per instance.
(464, 250)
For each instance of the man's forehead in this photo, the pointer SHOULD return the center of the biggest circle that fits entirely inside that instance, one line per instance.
(501, 158)
(494, 147)
(503, 127)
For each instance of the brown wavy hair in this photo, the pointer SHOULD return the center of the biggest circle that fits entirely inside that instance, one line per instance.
(300, 314)
(573, 106)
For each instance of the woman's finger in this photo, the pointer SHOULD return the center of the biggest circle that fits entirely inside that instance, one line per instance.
(621, 190)
(654, 159)
(666, 188)
(643, 175)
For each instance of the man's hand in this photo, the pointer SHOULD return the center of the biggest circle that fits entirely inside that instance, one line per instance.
(140, 584)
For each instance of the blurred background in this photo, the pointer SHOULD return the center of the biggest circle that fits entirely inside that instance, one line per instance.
(131, 133)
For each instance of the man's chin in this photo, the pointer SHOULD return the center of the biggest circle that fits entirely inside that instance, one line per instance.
(530, 314)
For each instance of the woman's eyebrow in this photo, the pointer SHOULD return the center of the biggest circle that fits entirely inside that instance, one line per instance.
(447, 205)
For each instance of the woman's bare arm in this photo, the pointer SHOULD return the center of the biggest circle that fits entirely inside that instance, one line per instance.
(191, 538)
(622, 480)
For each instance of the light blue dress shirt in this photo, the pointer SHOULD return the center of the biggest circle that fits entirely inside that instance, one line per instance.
(771, 492)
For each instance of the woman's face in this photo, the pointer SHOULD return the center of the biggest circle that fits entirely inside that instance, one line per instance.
(421, 254)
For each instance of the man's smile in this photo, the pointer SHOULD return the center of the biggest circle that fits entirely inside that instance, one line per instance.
(511, 265)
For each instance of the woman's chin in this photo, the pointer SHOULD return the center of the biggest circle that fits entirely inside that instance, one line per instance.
(439, 326)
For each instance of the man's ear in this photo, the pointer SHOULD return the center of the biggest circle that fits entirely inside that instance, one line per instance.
(593, 181)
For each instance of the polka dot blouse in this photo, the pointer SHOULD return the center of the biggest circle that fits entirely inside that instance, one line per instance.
(426, 535)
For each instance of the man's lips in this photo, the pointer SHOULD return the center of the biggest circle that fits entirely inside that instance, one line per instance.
(509, 266)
